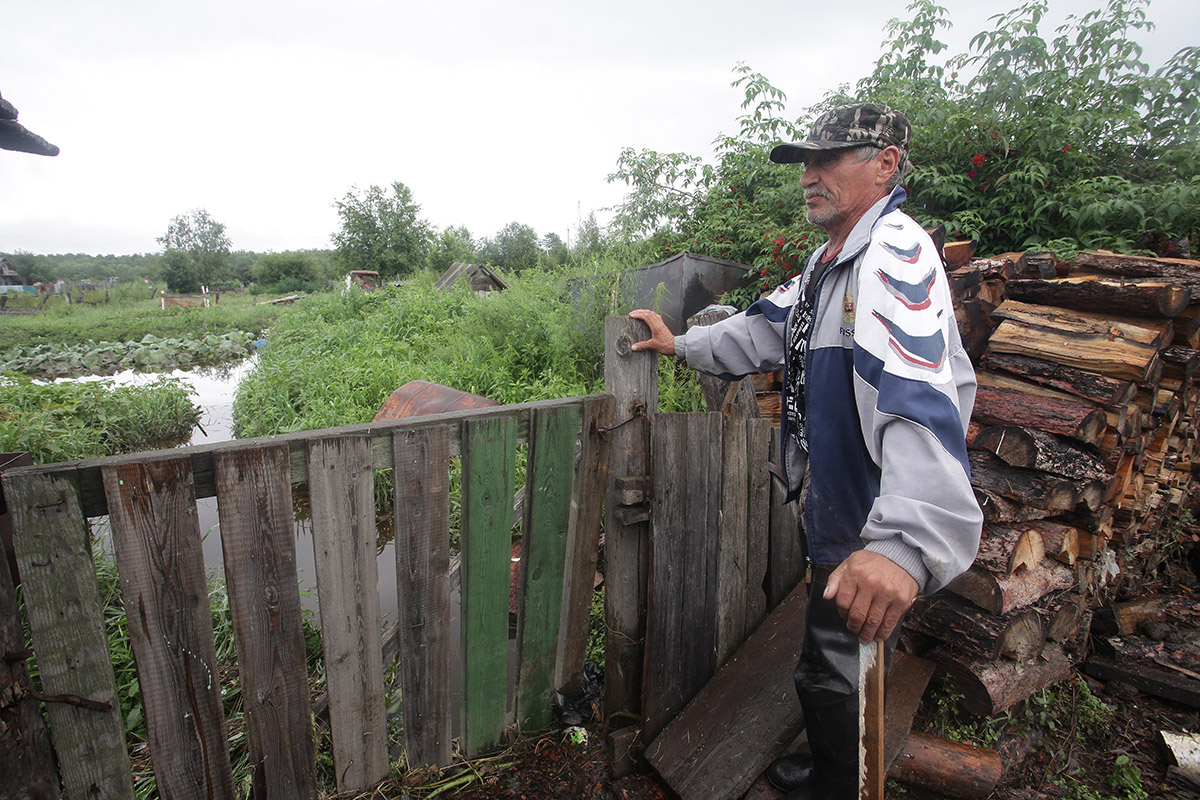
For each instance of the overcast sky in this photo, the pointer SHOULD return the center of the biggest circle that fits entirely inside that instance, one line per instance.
(264, 112)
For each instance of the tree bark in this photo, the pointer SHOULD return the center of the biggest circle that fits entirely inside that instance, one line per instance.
(1077, 420)
(992, 687)
(1144, 298)
(1099, 389)
(1001, 594)
(1184, 272)
(961, 625)
(953, 769)
(993, 478)
(1032, 448)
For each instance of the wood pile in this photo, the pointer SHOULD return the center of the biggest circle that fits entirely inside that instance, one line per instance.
(1082, 446)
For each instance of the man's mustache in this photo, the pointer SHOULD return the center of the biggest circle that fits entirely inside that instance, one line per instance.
(818, 192)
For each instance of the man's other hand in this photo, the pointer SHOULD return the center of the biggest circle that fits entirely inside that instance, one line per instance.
(661, 339)
(872, 592)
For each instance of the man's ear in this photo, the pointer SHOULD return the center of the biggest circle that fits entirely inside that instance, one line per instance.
(888, 162)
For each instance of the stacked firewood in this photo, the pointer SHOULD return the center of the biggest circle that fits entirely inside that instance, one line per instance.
(1082, 445)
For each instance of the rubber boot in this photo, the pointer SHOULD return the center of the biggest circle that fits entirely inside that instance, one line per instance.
(827, 684)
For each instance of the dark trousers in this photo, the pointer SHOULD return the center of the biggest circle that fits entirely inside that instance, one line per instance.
(827, 683)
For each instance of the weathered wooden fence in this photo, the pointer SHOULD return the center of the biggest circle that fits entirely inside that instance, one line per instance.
(151, 501)
(697, 549)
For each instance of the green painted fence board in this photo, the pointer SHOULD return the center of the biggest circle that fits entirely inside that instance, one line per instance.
(489, 453)
(549, 477)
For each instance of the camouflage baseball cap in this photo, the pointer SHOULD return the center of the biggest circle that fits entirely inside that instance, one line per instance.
(850, 126)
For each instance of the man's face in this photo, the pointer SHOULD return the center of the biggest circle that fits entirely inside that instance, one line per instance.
(840, 185)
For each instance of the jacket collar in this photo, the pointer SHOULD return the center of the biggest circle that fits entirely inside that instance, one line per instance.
(860, 235)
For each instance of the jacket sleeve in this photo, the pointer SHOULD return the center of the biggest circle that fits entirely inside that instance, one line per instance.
(748, 343)
(914, 387)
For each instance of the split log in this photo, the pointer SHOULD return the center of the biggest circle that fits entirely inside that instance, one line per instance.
(992, 478)
(960, 624)
(1086, 293)
(1116, 357)
(975, 324)
(1153, 333)
(1182, 271)
(1187, 331)
(1001, 510)
(1004, 549)
(1122, 619)
(1064, 615)
(1180, 363)
(1033, 448)
(1060, 542)
(951, 769)
(1079, 382)
(992, 687)
(1075, 419)
(1003, 594)
(999, 267)
(956, 254)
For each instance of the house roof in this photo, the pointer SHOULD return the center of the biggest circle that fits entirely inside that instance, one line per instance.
(15, 136)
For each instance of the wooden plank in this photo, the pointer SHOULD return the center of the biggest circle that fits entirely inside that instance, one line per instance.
(259, 543)
(632, 379)
(489, 451)
(786, 550)
(907, 678)
(1146, 677)
(743, 719)
(422, 497)
(583, 543)
(341, 488)
(156, 534)
(758, 520)
(871, 724)
(550, 475)
(681, 616)
(62, 605)
(732, 539)
(86, 473)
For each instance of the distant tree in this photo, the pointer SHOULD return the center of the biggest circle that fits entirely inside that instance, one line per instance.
(589, 240)
(289, 271)
(241, 266)
(205, 247)
(554, 250)
(178, 272)
(452, 244)
(513, 249)
(381, 231)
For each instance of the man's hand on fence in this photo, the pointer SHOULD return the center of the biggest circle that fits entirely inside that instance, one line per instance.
(873, 592)
(661, 339)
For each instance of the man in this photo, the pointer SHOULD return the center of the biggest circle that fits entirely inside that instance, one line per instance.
(877, 395)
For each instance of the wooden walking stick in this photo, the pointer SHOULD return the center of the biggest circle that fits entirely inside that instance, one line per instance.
(871, 767)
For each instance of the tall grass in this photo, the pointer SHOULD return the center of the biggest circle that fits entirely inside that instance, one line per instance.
(68, 421)
(333, 359)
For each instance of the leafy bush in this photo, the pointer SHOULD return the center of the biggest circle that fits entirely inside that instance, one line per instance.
(1019, 143)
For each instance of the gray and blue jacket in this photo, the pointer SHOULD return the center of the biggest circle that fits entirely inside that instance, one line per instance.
(888, 395)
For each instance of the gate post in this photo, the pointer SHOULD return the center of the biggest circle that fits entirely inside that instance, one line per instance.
(632, 379)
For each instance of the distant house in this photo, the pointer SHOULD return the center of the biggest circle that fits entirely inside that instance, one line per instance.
(482, 277)
(10, 281)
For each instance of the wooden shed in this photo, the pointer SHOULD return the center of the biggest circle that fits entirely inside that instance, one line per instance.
(482, 277)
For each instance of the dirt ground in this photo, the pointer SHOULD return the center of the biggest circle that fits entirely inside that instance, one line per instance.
(1086, 741)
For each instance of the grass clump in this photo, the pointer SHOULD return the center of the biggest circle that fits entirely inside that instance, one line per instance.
(68, 421)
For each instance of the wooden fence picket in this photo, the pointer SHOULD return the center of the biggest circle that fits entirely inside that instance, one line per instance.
(549, 477)
(156, 534)
(341, 488)
(681, 625)
(259, 542)
(62, 604)
(422, 497)
(489, 452)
